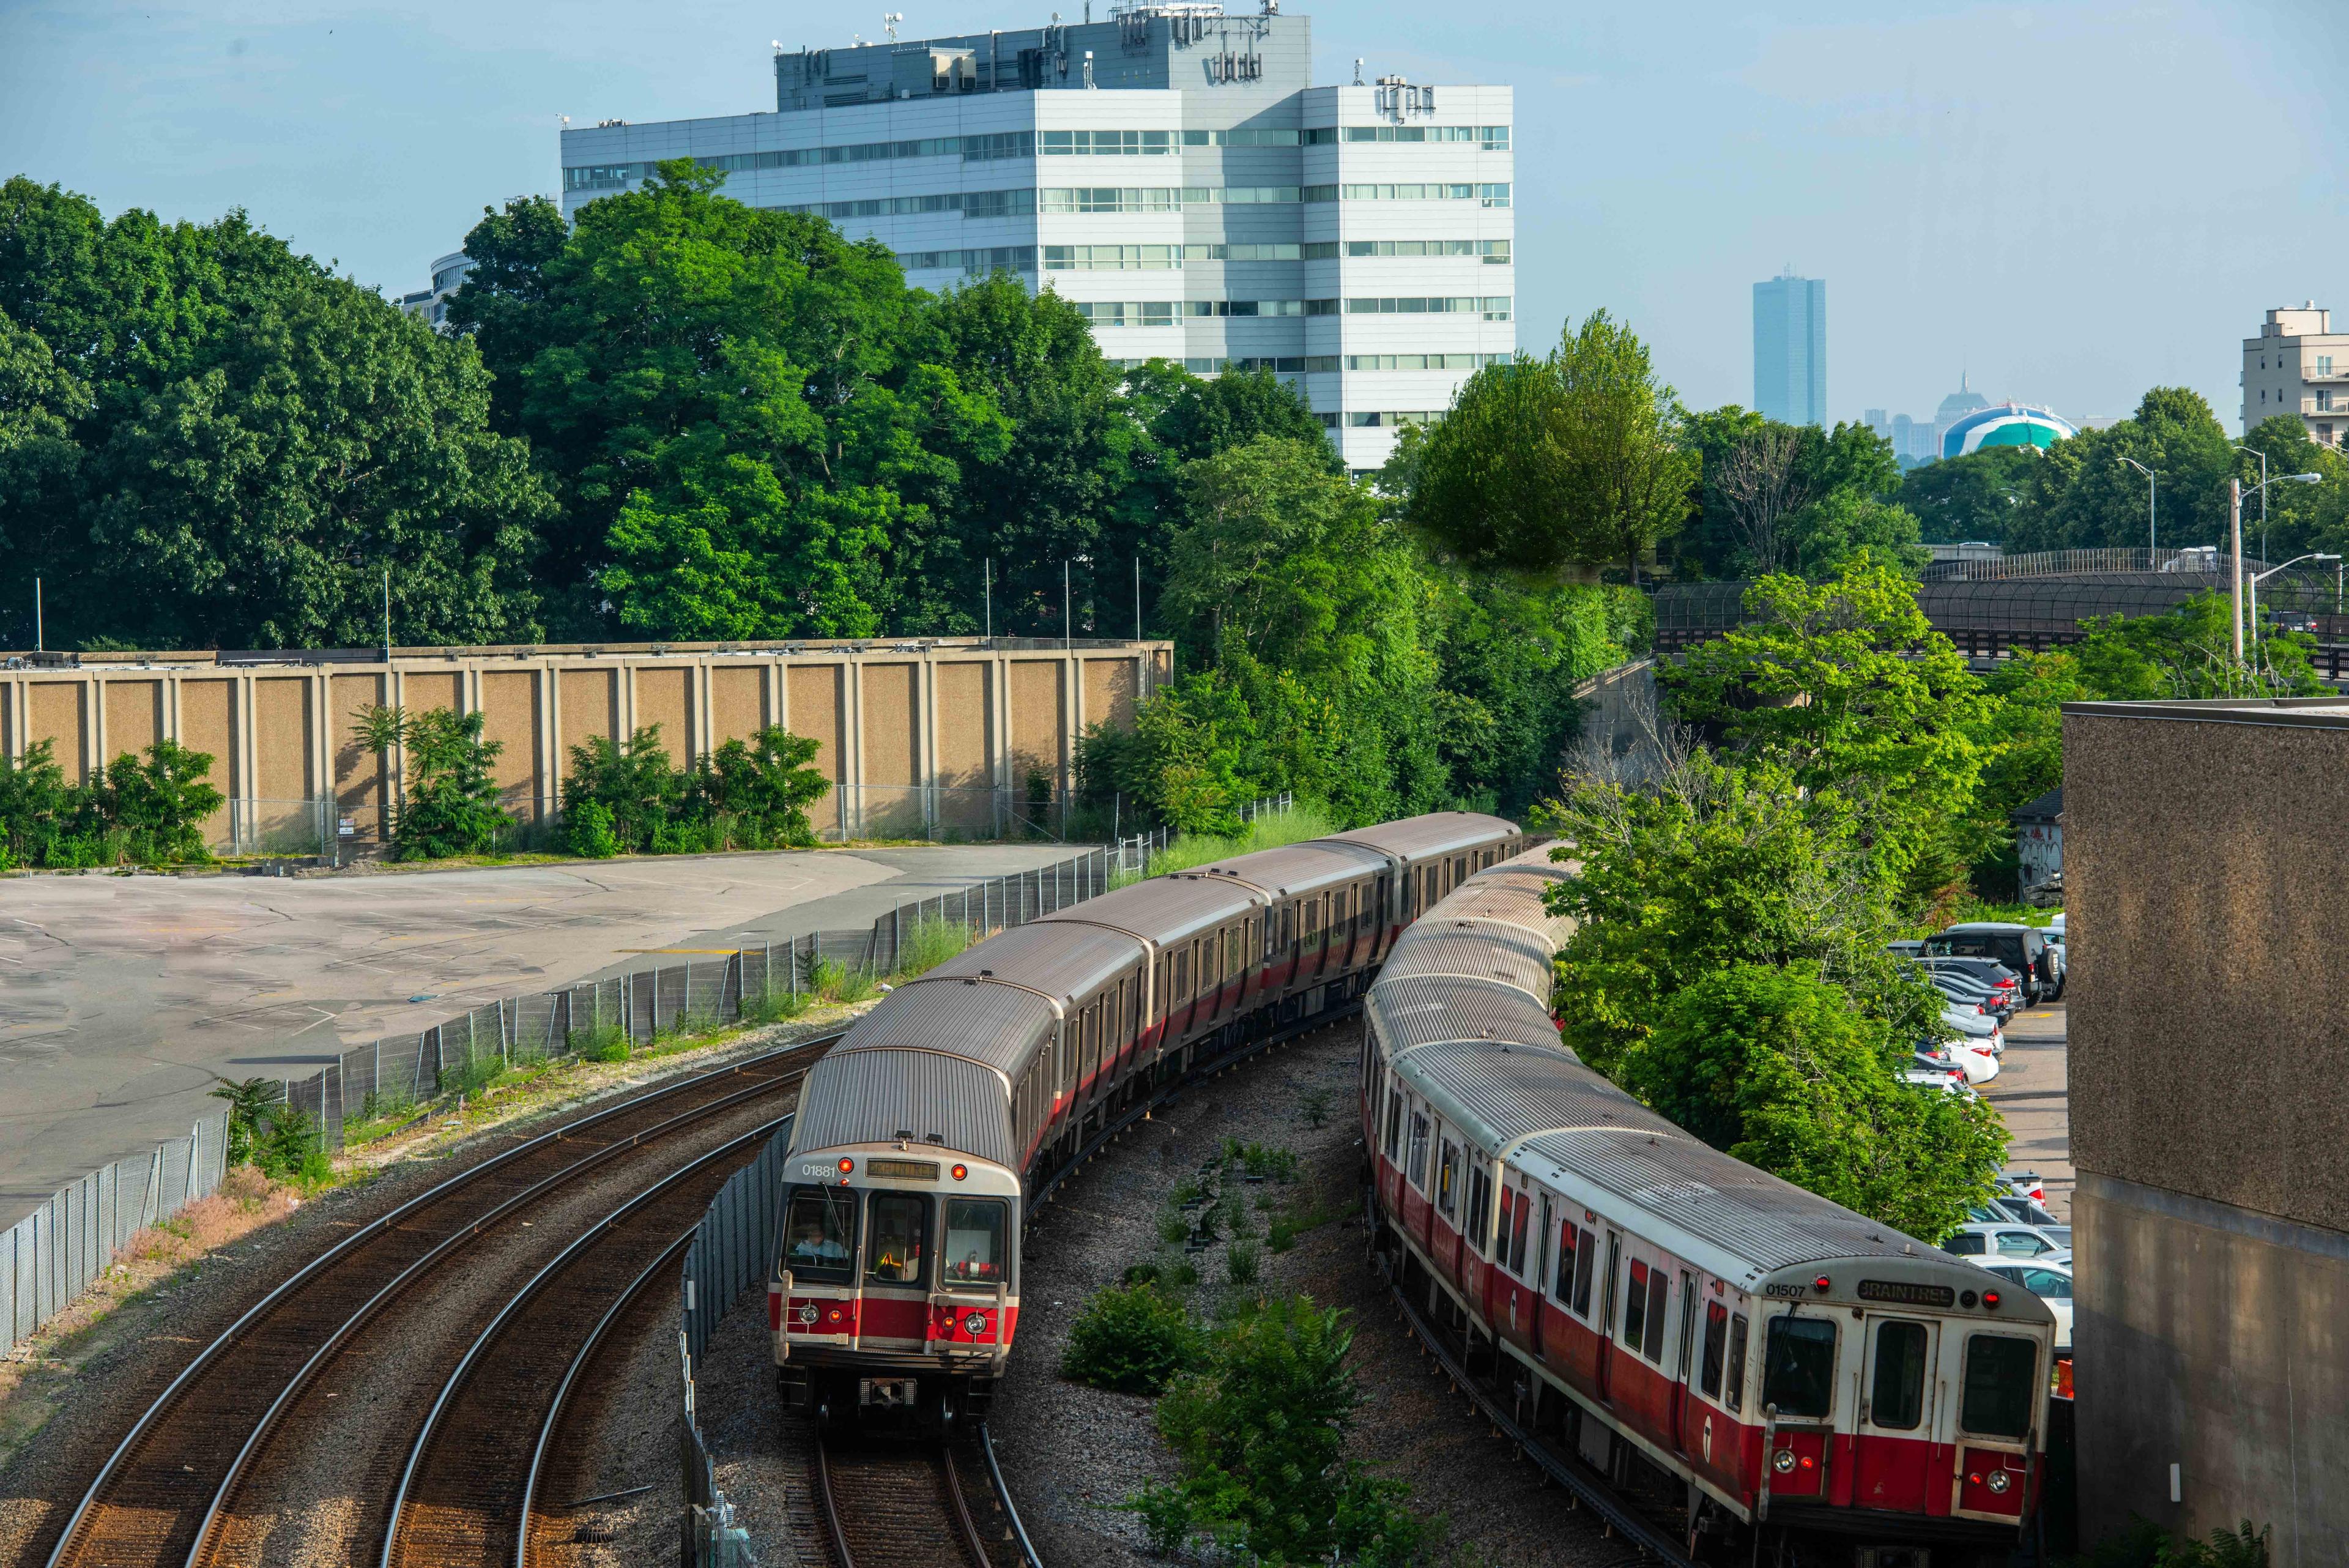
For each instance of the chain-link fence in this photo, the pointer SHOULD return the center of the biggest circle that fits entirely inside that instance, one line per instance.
(55, 1252)
(731, 1249)
(1133, 852)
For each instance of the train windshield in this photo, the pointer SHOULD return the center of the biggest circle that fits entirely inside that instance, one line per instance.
(820, 1233)
(894, 1255)
(1798, 1367)
(1999, 1386)
(975, 1258)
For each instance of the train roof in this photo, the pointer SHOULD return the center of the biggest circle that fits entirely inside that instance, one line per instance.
(1062, 959)
(1484, 949)
(997, 1026)
(1162, 910)
(874, 1095)
(1295, 869)
(1511, 891)
(1438, 833)
(1413, 1012)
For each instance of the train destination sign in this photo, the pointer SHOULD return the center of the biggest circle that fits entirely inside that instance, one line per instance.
(1906, 1293)
(902, 1169)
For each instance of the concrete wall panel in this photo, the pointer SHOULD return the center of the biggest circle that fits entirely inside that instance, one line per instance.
(57, 712)
(587, 698)
(421, 692)
(813, 696)
(892, 716)
(510, 716)
(1110, 688)
(738, 703)
(664, 697)
(966, 726)
(281, 733)
(134, 717)
(1036, 724)
(359, 772)
(207, 724)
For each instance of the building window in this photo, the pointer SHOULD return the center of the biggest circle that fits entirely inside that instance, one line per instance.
(1372, 419)
(1495, 251)
(976, 262)
(1421, 362)
(2324, 364)
(1127, 313)
(1490, 196)
(1106, 143)
(1490, 138)
(1490, 307)
(2323, 400)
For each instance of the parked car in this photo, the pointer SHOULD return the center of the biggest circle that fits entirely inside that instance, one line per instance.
(2022, 948)
(1988, 973)
(2026, 1184)
(1932, 1071)
(1977, 1063)
(2050, 1281)
(2011, 1242)
(1907, 950)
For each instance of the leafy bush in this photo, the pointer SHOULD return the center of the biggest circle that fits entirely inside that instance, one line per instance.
(929, 942)
(600, 1042)
(837, 981)
(774, 1005)
(625, 797)
(1259, 1433)
(451, 805)
(146, 813)
(1243, 1263)
(1130, 1339)
(587, 830)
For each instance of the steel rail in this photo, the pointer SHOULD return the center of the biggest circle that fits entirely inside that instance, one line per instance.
(579, 1361)
(972, 1542)
(841, 1556)
(1003, 1495)
(523, 1298)
(425, 1266)
(172, 1393)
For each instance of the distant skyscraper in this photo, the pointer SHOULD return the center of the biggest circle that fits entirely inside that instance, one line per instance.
(1790, 349)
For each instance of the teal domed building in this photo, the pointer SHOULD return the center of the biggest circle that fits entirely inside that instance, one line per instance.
(2004, 424)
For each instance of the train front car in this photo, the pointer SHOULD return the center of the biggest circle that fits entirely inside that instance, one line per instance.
(895, 1297)
(1800, 1374)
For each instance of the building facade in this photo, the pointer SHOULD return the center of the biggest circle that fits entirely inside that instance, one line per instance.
(2298, 365)
(1790, 349)
(447, 276)
(2202, 854)
(1173, 173)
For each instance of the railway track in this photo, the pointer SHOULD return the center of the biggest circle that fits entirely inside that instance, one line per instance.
(886, 1505)
(472, 1476)
(161, 1498)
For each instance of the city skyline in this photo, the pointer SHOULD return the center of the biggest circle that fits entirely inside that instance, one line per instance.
(1665, 163)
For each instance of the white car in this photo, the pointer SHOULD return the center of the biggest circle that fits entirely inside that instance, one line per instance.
(1984, 1032)
(2050, 1281)
(2008, 1243)
(1974, 1058)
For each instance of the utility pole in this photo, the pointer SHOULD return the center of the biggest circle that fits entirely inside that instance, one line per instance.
(2235, 545)
(38, 645)
(1068, 626)
(1137, 599)
(387, 615)
(990, 598)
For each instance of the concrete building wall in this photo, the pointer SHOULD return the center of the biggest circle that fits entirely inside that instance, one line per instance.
(912, 737)
(2209, 1089)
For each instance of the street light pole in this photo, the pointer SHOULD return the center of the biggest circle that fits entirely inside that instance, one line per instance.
(2263, 576)
(2263, 497)
(2150, 546)
(2235, 561)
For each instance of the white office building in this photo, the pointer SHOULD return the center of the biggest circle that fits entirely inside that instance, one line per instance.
(1173, 173)
(448, 277)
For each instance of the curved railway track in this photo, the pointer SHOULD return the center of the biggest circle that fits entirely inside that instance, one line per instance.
(465, 1497)
(160, 1497)
(892, 1506)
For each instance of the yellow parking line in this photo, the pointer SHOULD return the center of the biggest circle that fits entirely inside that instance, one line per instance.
(728, 952)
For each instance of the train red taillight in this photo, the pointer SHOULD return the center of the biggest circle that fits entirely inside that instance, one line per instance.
(1990, 1299)
(961, 1172)
(1820, 1284)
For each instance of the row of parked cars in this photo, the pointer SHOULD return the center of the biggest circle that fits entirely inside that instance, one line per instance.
(1986, 971)
(2015, 1237)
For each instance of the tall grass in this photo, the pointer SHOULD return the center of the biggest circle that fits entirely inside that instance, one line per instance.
(1269, 832)
(929, 942)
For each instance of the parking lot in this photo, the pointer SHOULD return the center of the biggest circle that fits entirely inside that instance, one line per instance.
(2029, 1092)
(123, 1000)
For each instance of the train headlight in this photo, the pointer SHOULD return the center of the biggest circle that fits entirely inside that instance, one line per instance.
(807, 1313)
(1783, 1460)
(1998, 1483)
(975, 1324)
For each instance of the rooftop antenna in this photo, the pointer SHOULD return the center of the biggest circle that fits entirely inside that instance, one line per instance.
(889, 20)
(1088, 67)
(1358, 70)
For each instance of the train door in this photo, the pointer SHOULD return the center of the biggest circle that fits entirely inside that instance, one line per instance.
(1609, 1294)
(1540, 1276)
(1683, 1369)
(1383, 912)
(1895, 1465)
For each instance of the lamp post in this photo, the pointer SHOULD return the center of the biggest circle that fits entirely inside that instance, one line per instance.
(2263, 494)
(2272, 571)
(2149, 545)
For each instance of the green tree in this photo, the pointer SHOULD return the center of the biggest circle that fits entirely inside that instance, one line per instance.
(2084, 496)
(1979, 497)
(1847, 685)
(1574, 458)
(36, 806)
(757, 791)
(1844, 524)
(451, 803)
(162, 801)
(2300, 517)
(215, 442)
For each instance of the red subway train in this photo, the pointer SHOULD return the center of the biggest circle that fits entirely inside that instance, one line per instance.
(1791, 1375)
(921, 1139)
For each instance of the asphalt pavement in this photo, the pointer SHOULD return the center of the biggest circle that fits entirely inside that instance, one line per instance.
(124, 1000)
(2032, 1092)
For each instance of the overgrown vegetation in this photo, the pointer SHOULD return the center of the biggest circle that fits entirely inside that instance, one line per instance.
(1131, 1339)
(625, 797)
(132, 811)
(283, 1142)
(2145, 1544)
(450, 799)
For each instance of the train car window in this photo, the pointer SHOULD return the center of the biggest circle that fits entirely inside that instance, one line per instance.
(974, 1254)
(1541, 1260)
(1444, 1172)
(1716, 1341)
(1248, 944)
(1234, 958)
(1394, 1121)
(1584, 1267)
(1895, 1391)
(1565, 1250)
(1635, 1306)
(1999, 1386)
(1179, 991)
(820, 1233)
(1659, 1295)
(1798, 1367)
(1500, 1243)
(894, 1255)
(1736, 1377)
(1517, 1235)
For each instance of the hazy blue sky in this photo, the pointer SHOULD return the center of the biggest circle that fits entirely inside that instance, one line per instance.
(2071, 201)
